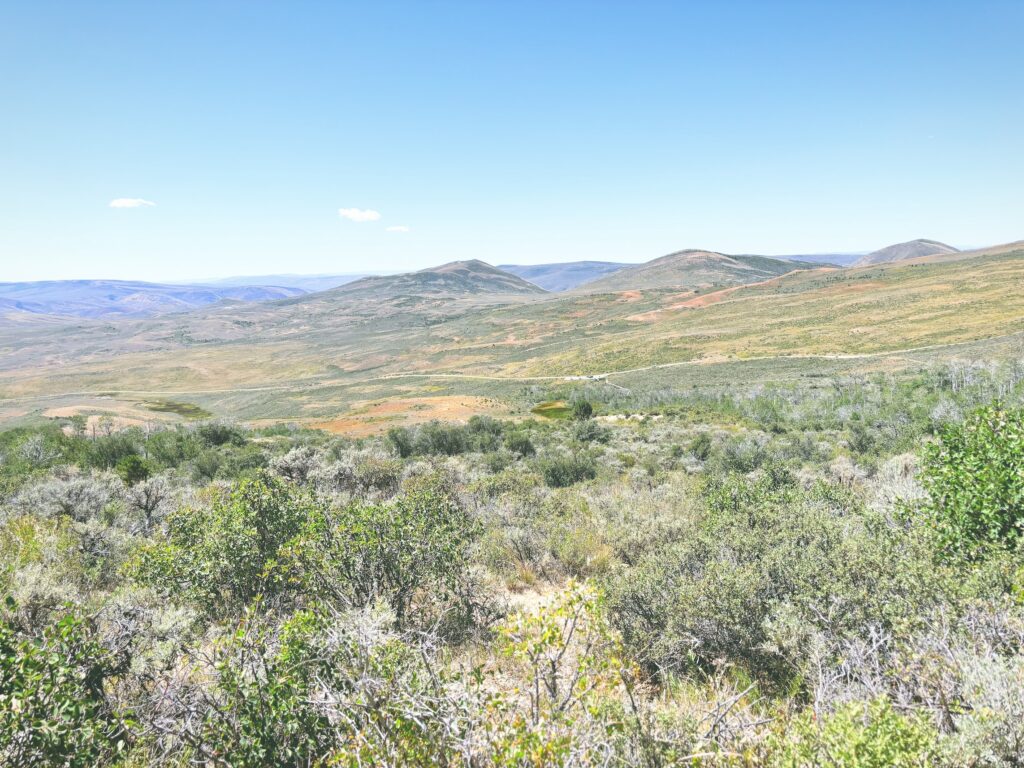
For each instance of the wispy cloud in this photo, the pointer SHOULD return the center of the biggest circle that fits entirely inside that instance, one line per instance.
(358, 214)
(398, 228)
(131, 202)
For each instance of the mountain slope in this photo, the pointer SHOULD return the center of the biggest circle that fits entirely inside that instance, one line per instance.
(457, 278)
(836, 259)
(120, 298)
(974, 253)
(912, 249)
(563, 276)
(696, 269)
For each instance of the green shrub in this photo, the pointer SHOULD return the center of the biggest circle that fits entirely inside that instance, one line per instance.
(225, 554)
(133, 469)
(713, 594)
(860, 440)
(589, 431)
(403, 441)
(520, 443)
(262, 714)
(207, 464)
(485, 433)
(382, 475)
(498, 461)
(438, 439)
(743, 454)
(173, 447)
(412, 552)
(582, 410)
(104, 452)
(238, 461)
(563, 471)
(974, 477)
(214, 434)
(860, 735)
(322, 689)
(53, 706)
(481, 434)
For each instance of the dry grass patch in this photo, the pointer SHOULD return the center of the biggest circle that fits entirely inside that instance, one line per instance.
(373, 418)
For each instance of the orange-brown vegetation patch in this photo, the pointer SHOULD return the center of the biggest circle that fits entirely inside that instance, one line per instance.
(697, 302)
(701, 301)
(375, 417)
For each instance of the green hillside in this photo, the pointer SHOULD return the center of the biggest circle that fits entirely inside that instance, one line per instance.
(696, 270)
(456, 278)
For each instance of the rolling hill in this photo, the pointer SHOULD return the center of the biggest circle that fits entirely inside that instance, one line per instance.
(369, 355)
(695, 270)
(457, 278)
(912, 249)
(563, 276)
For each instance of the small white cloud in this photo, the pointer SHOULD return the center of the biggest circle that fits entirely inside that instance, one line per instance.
(131, 202)
(358, 214)
(398, 228)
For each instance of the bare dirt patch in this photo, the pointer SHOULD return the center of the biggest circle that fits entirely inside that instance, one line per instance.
(698, 302)
(101, 420)
(375, 417)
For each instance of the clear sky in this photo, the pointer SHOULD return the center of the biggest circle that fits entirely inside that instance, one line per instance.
(513, 132)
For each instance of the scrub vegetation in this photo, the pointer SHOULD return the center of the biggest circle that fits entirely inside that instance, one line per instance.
(821, 573)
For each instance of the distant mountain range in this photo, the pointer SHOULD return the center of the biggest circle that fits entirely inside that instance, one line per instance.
(691, 269)
(912, 249)
(564, 276)
(308, 283)
(839, 259)
(133, 299)
(120, 298)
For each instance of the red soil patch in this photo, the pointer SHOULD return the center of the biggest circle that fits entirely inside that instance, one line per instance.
(699, 302)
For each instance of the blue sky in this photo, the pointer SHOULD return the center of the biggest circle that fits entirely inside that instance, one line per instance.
(513, 132)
